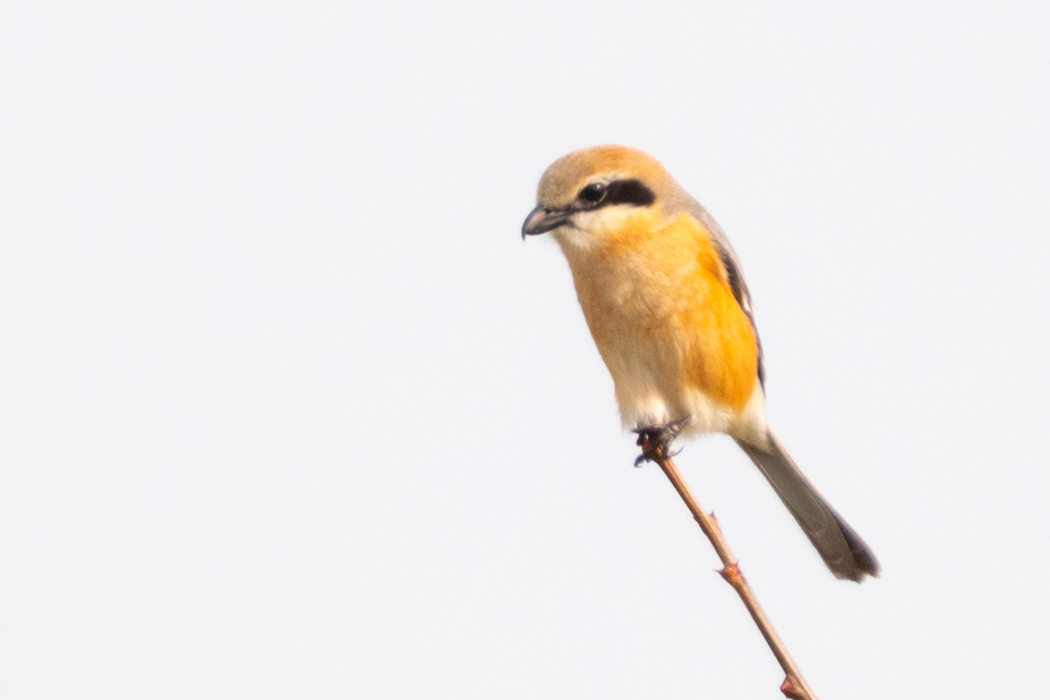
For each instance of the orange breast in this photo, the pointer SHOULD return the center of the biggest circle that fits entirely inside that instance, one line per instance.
(715, 339)
(663, 316)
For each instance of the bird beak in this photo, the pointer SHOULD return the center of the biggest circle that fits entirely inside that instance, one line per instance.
(541, 220)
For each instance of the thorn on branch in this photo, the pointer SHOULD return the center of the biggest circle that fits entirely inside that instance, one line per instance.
(791, 690)
(732, 574)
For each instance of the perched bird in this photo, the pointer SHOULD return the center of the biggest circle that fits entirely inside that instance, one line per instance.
(665, 300)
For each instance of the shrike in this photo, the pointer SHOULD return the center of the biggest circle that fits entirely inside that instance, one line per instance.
(665, 299)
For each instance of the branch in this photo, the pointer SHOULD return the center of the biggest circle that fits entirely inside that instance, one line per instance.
(794, 685)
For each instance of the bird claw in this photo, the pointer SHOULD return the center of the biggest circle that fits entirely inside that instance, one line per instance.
(655, 439)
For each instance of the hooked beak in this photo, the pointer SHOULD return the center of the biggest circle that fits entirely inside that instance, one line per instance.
(541, 220)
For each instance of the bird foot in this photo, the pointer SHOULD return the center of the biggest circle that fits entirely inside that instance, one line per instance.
(655, 439)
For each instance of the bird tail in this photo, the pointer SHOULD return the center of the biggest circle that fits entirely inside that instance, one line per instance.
(839, 545)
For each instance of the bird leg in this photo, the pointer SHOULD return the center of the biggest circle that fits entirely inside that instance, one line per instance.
(655, 439)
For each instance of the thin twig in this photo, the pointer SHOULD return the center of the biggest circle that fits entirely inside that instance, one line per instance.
(794, 685)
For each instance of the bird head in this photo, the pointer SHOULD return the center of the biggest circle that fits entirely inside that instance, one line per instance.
(588, 193)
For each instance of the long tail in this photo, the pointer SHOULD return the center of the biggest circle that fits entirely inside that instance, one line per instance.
(839, 545)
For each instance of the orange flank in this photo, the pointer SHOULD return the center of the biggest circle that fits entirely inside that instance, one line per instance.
(723, 357)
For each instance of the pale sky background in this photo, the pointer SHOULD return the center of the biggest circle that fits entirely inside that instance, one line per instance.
(288, 410)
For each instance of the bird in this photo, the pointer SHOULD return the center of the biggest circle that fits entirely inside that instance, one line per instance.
(665, 299)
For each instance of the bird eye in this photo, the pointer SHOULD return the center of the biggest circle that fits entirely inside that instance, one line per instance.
(593, 193)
